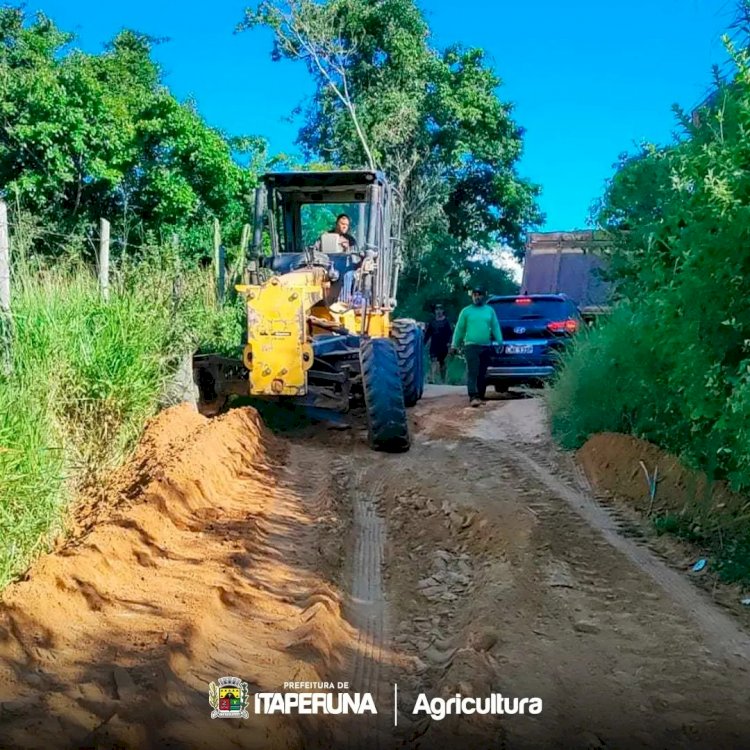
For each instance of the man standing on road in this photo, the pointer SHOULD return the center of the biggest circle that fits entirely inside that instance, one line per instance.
(476, 329)
(438, 335)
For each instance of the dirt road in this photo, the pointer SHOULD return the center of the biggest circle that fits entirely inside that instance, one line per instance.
(477, 563)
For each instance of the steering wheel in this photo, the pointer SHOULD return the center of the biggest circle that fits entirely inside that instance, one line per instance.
(318, 259)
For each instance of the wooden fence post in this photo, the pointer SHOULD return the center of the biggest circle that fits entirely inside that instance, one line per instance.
(245, 241)
(4, 261)
(219, 270)
(6, 321)
(221, 281)
(104, 258)
(240, 274)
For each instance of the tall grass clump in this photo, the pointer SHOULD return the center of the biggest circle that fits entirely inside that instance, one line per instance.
(83, 376)
(637, 373)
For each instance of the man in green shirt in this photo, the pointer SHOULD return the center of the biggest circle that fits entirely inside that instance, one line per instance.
(477, 328)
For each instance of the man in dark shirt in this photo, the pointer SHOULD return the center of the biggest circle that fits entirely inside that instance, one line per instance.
(346, 242)
(438, 334)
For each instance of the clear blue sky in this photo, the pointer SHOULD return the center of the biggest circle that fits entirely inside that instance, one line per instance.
(589, 78)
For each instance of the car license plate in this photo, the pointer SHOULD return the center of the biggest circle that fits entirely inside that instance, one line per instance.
(519, 349)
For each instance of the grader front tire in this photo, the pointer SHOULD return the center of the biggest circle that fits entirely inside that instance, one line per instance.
(387, 425)
(407, 338)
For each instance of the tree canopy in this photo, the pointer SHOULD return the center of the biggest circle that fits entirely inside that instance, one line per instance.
(431, 119)
(674, 362)
(84, 136)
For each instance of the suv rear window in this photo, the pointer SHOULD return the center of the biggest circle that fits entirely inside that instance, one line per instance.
(536, 309)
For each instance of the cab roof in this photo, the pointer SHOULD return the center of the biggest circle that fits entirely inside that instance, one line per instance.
(311, 180)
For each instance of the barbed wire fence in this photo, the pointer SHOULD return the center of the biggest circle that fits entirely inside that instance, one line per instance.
(100, 243)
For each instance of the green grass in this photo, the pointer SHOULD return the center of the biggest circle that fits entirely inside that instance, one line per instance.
(602, 377)
(82, 377)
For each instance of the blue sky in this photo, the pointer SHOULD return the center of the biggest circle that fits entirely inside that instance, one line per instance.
(589, 78)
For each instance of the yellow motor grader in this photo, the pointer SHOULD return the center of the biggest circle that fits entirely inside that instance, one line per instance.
(320, 331)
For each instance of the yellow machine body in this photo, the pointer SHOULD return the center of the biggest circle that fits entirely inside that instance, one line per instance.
(283, 316)
(320, 335)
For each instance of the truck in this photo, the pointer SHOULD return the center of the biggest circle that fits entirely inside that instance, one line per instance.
(569, 263)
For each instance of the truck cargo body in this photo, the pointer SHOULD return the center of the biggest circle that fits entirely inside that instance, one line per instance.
(567, 263)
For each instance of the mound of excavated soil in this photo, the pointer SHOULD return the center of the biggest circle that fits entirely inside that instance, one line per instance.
(195, 562)
(612, 463)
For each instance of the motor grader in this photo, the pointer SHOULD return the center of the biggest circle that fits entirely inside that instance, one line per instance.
(320, 329)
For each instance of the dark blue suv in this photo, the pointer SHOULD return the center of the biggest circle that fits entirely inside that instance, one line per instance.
(536, 328)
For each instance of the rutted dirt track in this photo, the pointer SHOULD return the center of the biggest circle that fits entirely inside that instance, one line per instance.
(475, 563)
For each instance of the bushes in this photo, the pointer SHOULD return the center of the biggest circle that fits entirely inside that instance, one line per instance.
(85, 376)
(598, 384)
(672, 365)
(99, 135)
(647, 373)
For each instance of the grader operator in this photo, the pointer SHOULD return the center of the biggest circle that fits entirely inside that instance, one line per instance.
(320, 331)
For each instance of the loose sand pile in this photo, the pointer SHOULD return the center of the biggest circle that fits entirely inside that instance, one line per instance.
(198, 543)
(612, 463)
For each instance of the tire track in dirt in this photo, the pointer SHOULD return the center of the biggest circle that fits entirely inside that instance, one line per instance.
(721, 633)
(237, 546)
(366, 609)
(616, 659)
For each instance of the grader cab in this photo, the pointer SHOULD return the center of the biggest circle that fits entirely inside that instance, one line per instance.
(322, 278)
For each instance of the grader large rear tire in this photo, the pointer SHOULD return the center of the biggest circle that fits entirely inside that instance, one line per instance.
(387, 425)
(407, 338)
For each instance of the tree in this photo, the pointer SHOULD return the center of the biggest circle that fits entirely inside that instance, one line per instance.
(84, 136)
(430, 119)
(678, 215)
